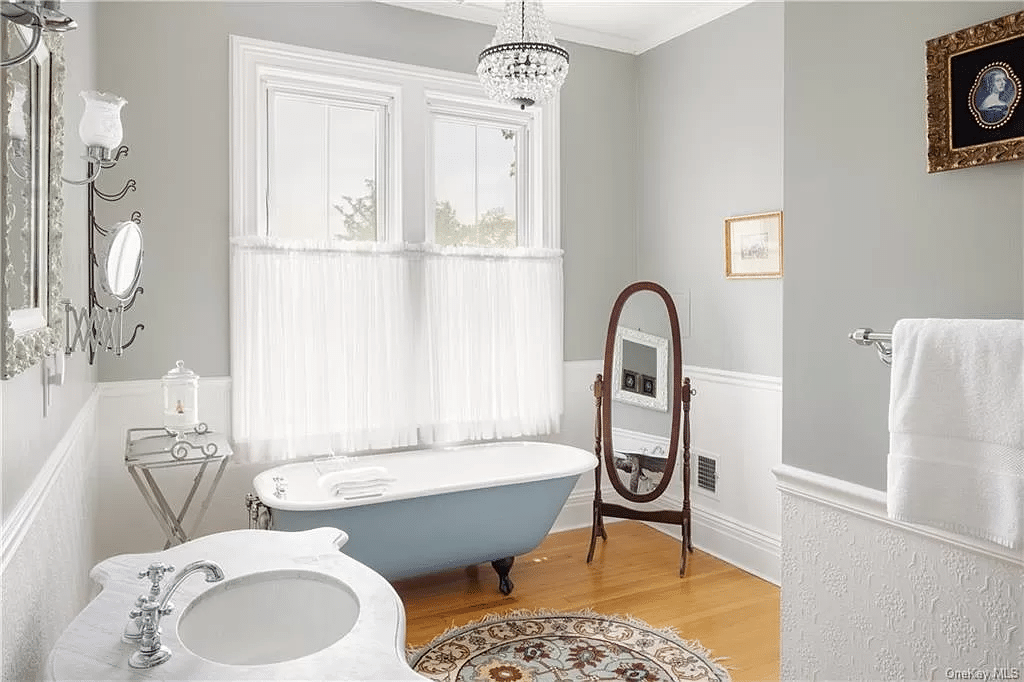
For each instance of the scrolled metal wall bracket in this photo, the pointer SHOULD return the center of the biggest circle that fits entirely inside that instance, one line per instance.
(97, 326)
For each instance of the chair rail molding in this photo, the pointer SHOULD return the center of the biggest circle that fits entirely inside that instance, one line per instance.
(867, 597)
(869, 503)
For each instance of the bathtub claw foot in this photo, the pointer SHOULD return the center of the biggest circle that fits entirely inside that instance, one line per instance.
(503, 566)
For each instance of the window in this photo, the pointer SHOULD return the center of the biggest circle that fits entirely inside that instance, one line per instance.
(363, 313)
(477, 182)
(334, 147)
(326, 162)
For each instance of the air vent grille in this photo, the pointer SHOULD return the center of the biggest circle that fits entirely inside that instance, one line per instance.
(707, 473)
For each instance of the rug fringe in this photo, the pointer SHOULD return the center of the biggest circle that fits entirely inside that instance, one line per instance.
(669, 632)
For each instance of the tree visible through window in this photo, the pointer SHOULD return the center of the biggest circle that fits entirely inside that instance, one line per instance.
(359, 215)
(476, 184)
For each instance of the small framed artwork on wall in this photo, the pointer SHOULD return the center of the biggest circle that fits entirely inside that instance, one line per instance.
(753, 246)
(975, 78)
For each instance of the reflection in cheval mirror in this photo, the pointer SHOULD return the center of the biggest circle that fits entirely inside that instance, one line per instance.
(641, 364)
(31, 156)
(642, 419)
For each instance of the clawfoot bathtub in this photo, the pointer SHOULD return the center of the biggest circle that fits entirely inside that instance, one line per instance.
(439, 509)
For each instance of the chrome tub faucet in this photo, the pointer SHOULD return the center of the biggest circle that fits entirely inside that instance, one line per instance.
(144, 626)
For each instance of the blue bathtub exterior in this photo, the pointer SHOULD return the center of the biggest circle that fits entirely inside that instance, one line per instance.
(410, 537)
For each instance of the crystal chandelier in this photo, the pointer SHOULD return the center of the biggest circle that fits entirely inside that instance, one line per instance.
(523, 64)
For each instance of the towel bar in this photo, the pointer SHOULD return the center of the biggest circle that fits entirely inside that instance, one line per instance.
(882, 341)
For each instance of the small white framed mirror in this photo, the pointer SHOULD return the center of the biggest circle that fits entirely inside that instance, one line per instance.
(640, 369)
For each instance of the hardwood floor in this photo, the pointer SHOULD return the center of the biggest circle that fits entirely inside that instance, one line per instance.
(635, 572)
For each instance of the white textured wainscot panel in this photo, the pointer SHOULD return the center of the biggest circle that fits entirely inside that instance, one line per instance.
(47, 551)
(868, 598)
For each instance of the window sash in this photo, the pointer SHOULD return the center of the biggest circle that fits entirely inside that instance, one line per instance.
(355, 96)
(479, 111)
(414, 93)
(524, 198)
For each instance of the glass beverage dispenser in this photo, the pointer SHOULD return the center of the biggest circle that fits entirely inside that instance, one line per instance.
(181, 400)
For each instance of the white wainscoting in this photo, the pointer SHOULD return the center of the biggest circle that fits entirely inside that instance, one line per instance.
(47, 551)
(736, 417)
(126, 524)
(867, 597)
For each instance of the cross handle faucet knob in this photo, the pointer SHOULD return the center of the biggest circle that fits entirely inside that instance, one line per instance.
(155, 573)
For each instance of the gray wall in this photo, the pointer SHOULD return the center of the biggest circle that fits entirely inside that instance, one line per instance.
(870, 236)
(711, 147)
(28, 436)
(176, 122)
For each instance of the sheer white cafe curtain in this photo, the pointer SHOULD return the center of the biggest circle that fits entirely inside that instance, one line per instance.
(351, 347)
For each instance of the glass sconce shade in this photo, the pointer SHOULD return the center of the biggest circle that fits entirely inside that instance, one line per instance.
(16, 115)
(101, 121)
(181, 399)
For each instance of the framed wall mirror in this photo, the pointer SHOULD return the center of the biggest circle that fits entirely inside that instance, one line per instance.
(31, 160)
(640, 369)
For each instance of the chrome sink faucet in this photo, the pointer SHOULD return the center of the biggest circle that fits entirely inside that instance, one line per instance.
(149, 610)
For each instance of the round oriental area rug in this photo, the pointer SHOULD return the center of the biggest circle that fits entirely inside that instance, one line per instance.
(564, 647)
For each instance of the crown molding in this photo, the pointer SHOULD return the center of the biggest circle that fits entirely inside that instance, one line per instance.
(696, 14)
(702, 14)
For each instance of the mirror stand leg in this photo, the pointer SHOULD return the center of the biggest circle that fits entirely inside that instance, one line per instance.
(596, 528)
(689, 532)
(682, 560)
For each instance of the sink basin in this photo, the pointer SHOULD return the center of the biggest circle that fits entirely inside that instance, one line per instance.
(268, 617)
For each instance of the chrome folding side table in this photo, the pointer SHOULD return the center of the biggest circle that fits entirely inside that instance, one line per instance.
(149, 449)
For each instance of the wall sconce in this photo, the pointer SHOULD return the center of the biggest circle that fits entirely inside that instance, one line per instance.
(38, 15)
(100, 130)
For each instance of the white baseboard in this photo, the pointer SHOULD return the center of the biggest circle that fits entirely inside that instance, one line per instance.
(740, 544)
(20, 520)
(577, 512)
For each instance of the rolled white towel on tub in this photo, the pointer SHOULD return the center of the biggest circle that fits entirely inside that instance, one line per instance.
(956, 423)
(357, 482)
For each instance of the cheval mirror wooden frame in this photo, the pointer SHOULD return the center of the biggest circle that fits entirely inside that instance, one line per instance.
(679, 403)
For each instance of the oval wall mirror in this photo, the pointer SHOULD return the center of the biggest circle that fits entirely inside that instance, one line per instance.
(122, 264)
(642, 407)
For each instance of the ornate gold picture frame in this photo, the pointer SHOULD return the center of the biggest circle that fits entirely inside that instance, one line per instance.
(753, 246)
(975, 92)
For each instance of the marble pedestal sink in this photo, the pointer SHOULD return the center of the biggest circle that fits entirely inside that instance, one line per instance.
(291, 606)
(268, 618)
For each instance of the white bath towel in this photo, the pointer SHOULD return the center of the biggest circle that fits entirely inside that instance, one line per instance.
(956, 425)
(357, 482)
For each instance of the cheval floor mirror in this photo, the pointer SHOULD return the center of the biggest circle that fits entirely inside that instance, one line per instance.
(642, 375)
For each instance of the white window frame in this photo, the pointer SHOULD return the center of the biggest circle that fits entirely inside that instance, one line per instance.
(353, 97)
(414, 92)
(529, 204)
